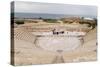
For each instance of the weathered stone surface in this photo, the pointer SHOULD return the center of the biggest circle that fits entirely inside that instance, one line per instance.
(32, 49)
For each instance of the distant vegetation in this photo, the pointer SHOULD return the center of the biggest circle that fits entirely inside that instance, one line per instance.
(50, 20)
(69, 22)
(95, 21)
(19, 22)
(89, 24)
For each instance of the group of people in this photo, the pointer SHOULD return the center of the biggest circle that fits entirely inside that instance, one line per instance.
(57, 32)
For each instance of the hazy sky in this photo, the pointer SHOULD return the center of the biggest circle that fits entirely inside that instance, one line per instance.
(31, 7)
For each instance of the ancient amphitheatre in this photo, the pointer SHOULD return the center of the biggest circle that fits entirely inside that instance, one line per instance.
(70, 40)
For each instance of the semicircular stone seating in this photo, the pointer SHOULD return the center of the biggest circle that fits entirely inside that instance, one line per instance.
(24, 35)
(87, 52)
(30, 53)
(27, 52)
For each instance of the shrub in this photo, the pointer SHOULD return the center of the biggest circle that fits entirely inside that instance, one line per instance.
(19, 22)
(50, 20)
